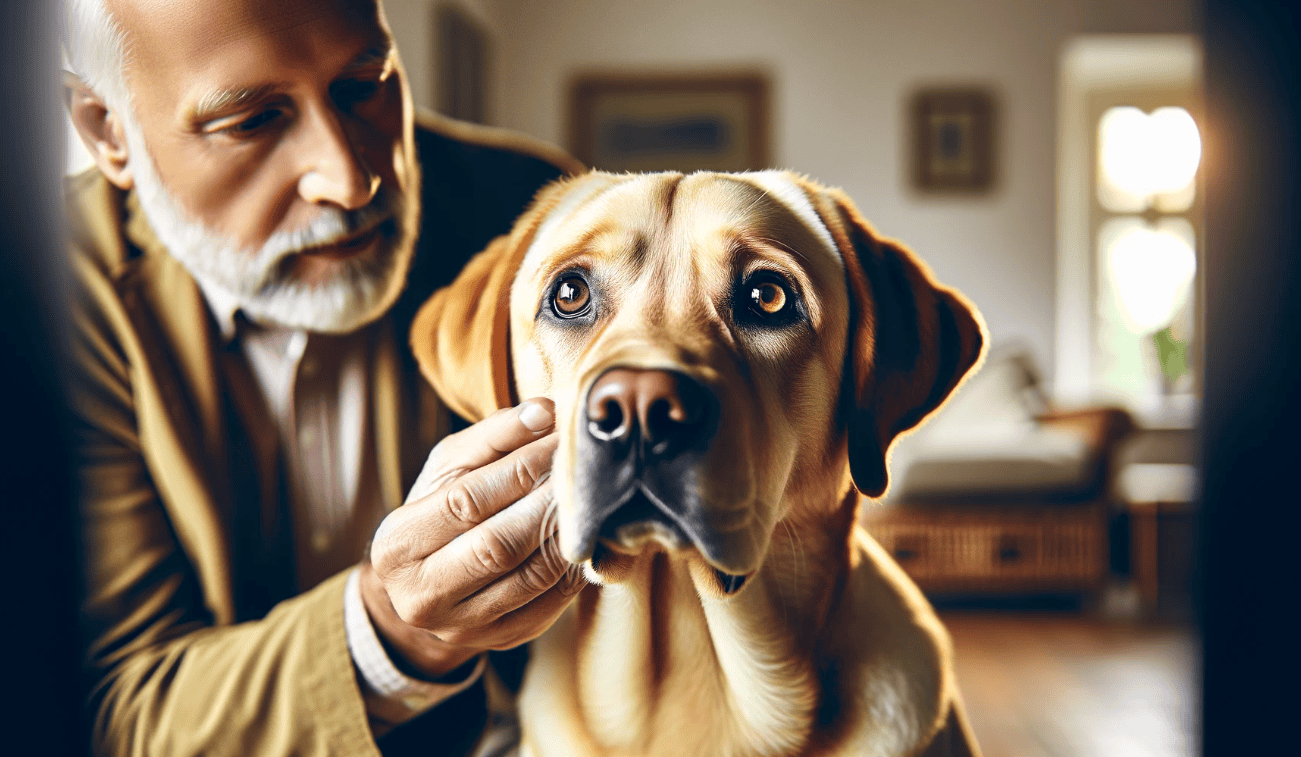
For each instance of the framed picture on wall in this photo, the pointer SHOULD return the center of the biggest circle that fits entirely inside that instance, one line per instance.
(678, 122)
(953, 140)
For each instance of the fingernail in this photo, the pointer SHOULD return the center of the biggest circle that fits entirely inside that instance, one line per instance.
(535, 416)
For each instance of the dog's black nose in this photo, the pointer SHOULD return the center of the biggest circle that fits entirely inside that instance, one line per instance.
(640, 464)
(665, 411)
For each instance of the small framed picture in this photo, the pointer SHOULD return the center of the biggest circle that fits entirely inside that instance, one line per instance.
(953, 140)
(678, 122)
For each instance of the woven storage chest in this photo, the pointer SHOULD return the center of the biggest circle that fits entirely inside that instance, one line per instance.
(993, 548)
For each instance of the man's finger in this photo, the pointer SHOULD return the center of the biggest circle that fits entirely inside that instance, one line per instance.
(523, 624)
(488, 440)
(530, 621)
(416, 530)
(492, 549)
(541, 571)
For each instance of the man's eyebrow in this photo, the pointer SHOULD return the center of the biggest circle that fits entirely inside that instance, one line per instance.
(220, 101)
(374, 56)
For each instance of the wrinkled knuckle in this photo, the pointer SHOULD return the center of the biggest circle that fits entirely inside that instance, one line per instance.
(493, 552)
(385, 555)
(381, 559)
(539, 574)
(527, 471)
(462, 504)
(556, 561)
(412, 611)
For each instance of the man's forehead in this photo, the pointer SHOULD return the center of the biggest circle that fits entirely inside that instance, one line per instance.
(174, 32)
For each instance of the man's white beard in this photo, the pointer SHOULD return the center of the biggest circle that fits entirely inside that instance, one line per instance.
(364, 287)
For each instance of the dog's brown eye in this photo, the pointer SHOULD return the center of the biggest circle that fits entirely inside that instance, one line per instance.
(768, 297)
(572, 297)
(767, 301)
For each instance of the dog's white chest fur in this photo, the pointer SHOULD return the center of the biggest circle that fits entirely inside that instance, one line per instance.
(697, 677)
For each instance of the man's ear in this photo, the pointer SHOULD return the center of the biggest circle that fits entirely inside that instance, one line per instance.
(101, 130)
(461, 335)
(912, 341)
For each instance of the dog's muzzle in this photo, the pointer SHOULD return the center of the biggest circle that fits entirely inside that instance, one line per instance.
(640, 461)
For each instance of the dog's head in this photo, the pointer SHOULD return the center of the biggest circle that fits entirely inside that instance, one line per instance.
(717, 346)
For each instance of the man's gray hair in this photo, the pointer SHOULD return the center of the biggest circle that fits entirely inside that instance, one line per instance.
(96, 49)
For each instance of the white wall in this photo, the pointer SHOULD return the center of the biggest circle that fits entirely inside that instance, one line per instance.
(412, 22)
(842, 71)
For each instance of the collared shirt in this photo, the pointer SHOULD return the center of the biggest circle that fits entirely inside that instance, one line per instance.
(315, 387)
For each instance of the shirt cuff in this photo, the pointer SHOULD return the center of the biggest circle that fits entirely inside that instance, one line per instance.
(392, 697)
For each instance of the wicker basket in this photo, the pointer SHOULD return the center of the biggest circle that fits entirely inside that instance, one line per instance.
(995, 549)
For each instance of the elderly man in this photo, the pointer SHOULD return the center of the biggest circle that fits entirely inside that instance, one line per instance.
(265, 216)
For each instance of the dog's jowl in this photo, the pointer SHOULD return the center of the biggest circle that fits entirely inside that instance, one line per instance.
(731, 356)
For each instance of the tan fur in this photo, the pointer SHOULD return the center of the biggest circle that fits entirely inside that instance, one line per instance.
(828, 649)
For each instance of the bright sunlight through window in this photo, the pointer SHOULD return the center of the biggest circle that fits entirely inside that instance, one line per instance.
(1150, 268)
(1146, 158)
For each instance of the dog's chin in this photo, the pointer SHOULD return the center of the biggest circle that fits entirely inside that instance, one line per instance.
(637, 531)
(617, 564)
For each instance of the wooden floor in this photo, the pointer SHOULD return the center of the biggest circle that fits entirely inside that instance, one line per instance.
(1063, 685)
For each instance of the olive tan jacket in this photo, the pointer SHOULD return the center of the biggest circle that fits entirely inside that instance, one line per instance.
(194, 640)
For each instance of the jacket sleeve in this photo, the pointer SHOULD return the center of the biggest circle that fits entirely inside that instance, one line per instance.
(163, 676)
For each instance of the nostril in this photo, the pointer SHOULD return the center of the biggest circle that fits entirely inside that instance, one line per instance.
(665, 420)
(608, 422)
(675, 417)
(662, 411)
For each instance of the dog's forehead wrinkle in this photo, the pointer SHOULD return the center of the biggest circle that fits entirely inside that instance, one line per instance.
(790, 196)
(586, 205)
(668, 200)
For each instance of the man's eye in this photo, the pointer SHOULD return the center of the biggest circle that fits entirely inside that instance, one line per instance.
(247, 126)
(352, 91)
(256, 122)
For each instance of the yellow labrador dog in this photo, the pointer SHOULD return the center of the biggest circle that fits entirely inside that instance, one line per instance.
(730, 356)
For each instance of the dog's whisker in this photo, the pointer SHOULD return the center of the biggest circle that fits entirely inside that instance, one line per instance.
(797, 558)
(779, 244)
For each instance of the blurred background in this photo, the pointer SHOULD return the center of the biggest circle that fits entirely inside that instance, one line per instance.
(1046, 158)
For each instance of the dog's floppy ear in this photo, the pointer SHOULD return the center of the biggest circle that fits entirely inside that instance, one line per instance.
(912, 341)
(460, 336)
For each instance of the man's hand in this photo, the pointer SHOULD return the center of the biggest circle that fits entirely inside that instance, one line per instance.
(471, 561)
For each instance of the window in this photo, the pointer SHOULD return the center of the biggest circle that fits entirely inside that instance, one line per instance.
(1129, 226)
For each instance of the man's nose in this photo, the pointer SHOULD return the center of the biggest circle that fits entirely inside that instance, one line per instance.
(334, 171)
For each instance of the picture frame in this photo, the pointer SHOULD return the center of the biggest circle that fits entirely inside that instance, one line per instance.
(670, 122)
(953, 140)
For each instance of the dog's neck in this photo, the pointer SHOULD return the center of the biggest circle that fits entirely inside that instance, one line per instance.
(742, 669)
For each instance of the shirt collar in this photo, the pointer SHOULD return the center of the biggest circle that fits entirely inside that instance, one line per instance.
(224, 306)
